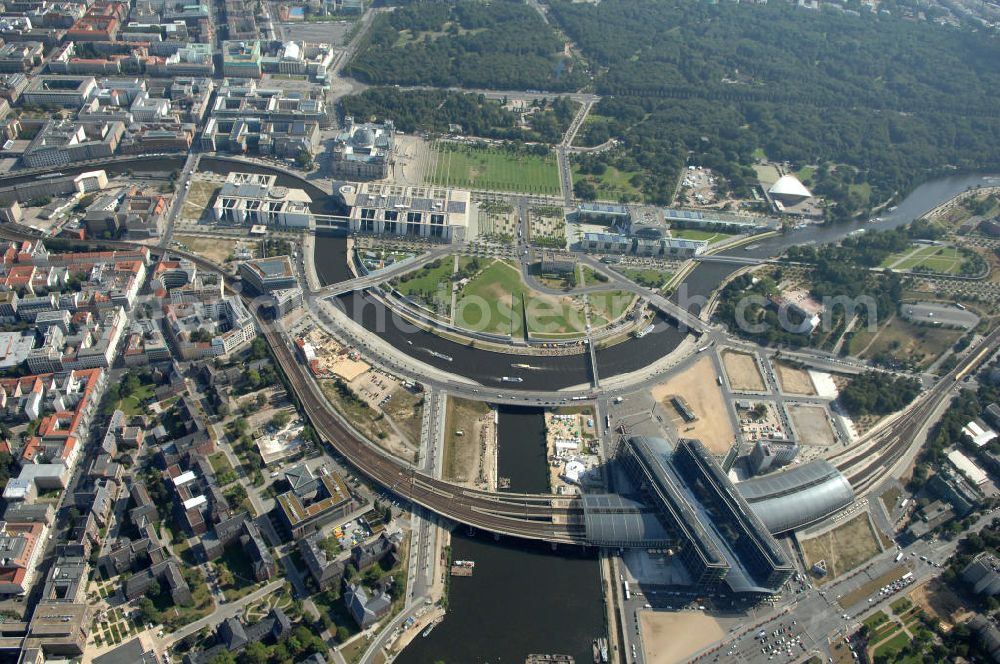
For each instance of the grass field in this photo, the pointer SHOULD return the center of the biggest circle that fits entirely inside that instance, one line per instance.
(845, 547)
(132, 404)
(864, 190)
(946, 260)
(431, 284)
(612, 185)
(695, 234)
(648, 278)
(498, 301)
(609, 306)
(494, 169)
(905, 342)
(892, 646)
(224, 472)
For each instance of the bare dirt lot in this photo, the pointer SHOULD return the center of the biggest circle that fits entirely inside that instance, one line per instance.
(466, 460)
(697, 385)
(742, 371)
(371, 422)
(845, 547)
(670, 637)
(406, 410)
(812, 425)
(214, 249)
(794, 380)
(199, 197)
(939, 600)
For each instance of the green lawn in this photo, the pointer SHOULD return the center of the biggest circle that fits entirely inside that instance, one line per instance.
(648, 278)
(132, 404)
(224, 472)
(491, 302)
(876, 619)
(431, 284)
(901, 605)
(893, 645)
(497, 299)
(904, 341)
(587, 276)
(493, 169)
(695, 234)
(863, 190)
(610, 305)
(612, 185)
(946, 260)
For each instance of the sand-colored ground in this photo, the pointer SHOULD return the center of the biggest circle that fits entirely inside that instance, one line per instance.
(199, 197)
(215, 249)
(742, 371)
(938, 600)
(812, 425)
(845, 547)
(794, 380)
(669, 637)
(697, 385)
(347, 368)
(470, 456)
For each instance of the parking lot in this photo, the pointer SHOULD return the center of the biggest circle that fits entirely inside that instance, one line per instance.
(324, 32)
(943, 314)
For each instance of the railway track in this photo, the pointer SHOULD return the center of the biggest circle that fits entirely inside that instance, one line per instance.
(530, 516)
(865, 471)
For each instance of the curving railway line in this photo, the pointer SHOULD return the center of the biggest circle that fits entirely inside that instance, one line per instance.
(865, 471)
(536, 516)
(531, 516)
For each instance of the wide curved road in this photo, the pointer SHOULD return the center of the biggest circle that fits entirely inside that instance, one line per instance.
(537, 516)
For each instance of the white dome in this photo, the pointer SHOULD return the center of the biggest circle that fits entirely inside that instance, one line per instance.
(789, 185)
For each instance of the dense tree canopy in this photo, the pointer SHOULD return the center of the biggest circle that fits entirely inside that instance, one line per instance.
(873, 100)
(500, 45)
(875, 393)
(437, 110)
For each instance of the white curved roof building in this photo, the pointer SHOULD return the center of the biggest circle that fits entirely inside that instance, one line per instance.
(797, 497)
(788, 187)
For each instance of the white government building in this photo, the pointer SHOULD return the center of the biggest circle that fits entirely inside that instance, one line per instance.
(443, 214)
(252, 198)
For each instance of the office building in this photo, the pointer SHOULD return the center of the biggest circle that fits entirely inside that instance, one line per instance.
(414, 211)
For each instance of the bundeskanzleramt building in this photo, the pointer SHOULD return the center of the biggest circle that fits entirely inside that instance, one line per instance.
(363, 151)
(616, 243)
(253, 198)
(419, 212)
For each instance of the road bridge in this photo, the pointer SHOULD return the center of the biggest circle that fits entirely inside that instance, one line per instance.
(375, 278)
(553, 518)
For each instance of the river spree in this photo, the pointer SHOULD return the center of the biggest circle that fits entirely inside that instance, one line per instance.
(523, 597)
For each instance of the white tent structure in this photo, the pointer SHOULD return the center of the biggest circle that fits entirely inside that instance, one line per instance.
(789, 189)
